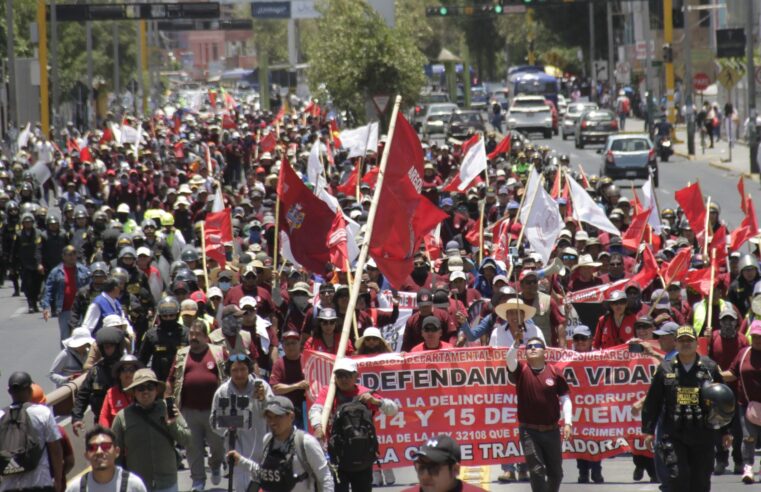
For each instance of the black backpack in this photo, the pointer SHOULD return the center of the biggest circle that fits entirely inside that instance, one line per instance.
(353, 444)
(20, 447)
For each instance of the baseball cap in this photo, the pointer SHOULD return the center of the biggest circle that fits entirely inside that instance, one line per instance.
(279, 405)
(247, 301)
(227, 274)
(440, 449)
(291, 334)
(345, 364)
(19, 380)
(301, 287)
(455, 275)
(582, 330)
(189, 306)
(143, 251)
(214, 292)
(755, 328)
(728, 311)
(667, 328)
(431, 320)
(455, 264)
(687, 331)
(424, 298)
(527, 273)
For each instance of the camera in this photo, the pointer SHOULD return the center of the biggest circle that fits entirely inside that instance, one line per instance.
(231, 406)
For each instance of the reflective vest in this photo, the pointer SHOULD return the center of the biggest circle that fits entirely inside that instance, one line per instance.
(700, 312)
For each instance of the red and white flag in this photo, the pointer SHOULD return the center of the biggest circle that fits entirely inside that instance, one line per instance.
(473, 162)
(218, 230)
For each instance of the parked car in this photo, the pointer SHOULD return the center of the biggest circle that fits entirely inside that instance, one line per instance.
(418, 112)
(562, 105)
(595, 127)
(464, 122)
(572, 113)
(630, 156)
(530, 114)
(436, 117)
(479, 98)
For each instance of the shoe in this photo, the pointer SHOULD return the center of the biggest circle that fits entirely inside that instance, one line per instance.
(747, 474)
(719, 468)
(216, 476)
(508, 476)
(598, 478)
(377, 478)
(198, 486)
(738, 469)
(583, 479)
(639, 472)
(388, 476)
(523, 476)
(16, 294)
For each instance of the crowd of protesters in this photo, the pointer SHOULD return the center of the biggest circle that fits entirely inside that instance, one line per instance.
(105, 239)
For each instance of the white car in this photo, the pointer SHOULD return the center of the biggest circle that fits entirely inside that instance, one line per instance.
(530, 114)
(436, 117)
(562, 105)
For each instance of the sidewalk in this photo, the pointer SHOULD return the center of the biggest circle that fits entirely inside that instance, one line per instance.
(718, 156)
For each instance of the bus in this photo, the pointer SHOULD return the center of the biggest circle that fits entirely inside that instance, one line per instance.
(535, 82)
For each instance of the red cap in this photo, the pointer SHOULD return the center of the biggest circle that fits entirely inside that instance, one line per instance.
(198, 296)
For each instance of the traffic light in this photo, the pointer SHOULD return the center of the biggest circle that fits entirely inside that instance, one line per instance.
(438, 11)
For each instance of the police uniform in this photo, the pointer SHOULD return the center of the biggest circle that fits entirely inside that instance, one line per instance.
(688, 440)
(160, 346)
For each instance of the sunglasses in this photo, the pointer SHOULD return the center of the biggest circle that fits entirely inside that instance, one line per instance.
(238, 358)
(569, 257)
(534, 346)
(429, 467)
(145, 387)
(102, 446)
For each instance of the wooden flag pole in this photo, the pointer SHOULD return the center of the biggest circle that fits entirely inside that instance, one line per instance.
(360, 264)
(354, 312)
(709, 317)
(480, 234)
(707, 224)
(277, 233)
(203, 255)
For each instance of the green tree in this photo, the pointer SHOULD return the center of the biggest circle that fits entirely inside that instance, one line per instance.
(353, 55)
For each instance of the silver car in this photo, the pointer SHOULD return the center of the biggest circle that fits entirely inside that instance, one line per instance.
(436, 117)
(629, 156)
(572, 113)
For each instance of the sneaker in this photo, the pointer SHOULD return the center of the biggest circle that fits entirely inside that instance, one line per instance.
(639, 473)
(508, 476)
(377, 478)
(216, 475)
(523, 476)
(597, 478)
(198, 486)
(388, 476)
(747, 474)
(719, 468)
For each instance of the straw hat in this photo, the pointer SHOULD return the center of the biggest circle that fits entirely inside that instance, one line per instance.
(586, 261)
(372, 332)
(514, 304)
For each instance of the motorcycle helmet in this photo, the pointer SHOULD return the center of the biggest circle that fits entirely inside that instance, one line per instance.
(719, 401)
(121, 275)
(99, 268)
(169, 306)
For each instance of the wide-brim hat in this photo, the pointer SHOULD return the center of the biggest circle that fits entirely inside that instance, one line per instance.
(79, 337)
(372, 332)
(586, 261)
(143, 376)
(514, 304)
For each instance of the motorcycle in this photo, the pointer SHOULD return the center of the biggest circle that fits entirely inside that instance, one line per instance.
(664, 148)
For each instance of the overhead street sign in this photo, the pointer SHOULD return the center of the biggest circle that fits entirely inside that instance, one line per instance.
(206, 25)
(136, 11)
(730, 42)
(271, 10)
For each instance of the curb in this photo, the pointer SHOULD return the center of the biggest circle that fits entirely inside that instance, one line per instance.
(684, 155)
(724, 167)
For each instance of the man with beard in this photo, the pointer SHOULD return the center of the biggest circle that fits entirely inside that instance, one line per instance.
(160, 343)
(421, 276)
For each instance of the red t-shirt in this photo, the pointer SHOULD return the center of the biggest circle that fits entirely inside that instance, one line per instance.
(200, 382)
(422, 348)
(318, 345)
(538, 393)
(748, 376)
(724, 350)
(287, 371)
(69, 287)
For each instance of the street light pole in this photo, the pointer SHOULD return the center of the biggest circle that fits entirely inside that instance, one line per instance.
(753, 131)
(12, 116)
(611, 59)
(687, 53)
(648, 67)
(593, 87)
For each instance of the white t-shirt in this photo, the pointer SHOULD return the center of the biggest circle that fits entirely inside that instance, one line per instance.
(134, 483)
(502, 337)
(43, 423)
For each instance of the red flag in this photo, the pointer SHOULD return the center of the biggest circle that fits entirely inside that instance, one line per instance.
(313, 109)
(453, 185)
(599, 293)
(406, 216)
(555, 191)
(675, 269)
(371, 177)
(700, 280)
(337, 238)
(349, 187)
(307, 220)
(741, 189)
(72, 145)
(584, 180)
(107, 136)
(84, 154)
(690, 199)
(179, 151)
(334, 133)
(502, 147)
(218, 229)
(636, 203)
(268, 142)
(473, 236)
(230, 101)
(718, 244)
(228, 122)
(649, 269)
(279, 115)
(213, 99)
(633, 235)
(748, 227)
(433, 245)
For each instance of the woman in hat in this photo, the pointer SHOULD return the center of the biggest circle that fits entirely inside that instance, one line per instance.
(372, 343)
(69, 363)
(583, 274)
(116, 396)
(325, 337)
(615, 326)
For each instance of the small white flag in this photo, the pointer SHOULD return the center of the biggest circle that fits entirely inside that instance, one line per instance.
(474, 162)
(586, 210)
(358, 140)
(648, 190)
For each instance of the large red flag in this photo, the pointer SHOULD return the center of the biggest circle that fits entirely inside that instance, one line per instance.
(334, 134)
(633, 235)
(748, 227)
(371, 177)
(675, 269)
(700, 280)
(279, 115)
(599, 293)
(502, 147)
(337, 238)
(556, 185)
(405, 215)
(306, 219)
(218, 229)
(690, 199)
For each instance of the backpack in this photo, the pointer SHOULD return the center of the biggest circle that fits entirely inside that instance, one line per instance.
(353, 444)
(20, 447)
(123, 483)
(625, 105)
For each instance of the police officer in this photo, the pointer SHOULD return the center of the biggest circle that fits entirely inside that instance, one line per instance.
(53, 242)
(161, 342)
(81, 235)
(10, 236)
(85, 295)
(27, 255)
(680, 396)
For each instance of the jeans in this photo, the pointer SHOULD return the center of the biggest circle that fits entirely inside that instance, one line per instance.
(200, 433)
(63, 325)
(722, 455)
(543, 450)
(751, 435)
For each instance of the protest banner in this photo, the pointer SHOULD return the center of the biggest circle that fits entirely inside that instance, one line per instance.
(467, 393)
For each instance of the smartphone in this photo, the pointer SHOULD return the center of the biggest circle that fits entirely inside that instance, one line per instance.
(636, 348)
(171, 410)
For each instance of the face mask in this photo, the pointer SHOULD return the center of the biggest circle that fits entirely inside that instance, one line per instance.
(224, 286)
(728, 329)
(301, 302)
(420, 271)
(229, 331)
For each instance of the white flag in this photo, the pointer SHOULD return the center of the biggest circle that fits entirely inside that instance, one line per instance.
(358, 140)
(541, 218)
(23, 137)
(586, 210)
(648, 190)
(315, 171)
(474, 161)
(219, 203)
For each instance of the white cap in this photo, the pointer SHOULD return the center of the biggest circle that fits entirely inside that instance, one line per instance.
(454, 276)
(345, 364)
(214, 292)
(79, 337)
(123, 208)
(113, 320)
(143, 251)
(247, 301)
